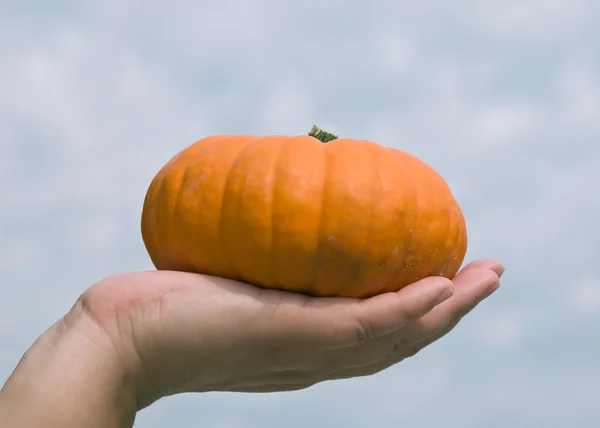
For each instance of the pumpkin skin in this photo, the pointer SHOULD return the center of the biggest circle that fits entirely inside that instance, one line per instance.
(346, 218)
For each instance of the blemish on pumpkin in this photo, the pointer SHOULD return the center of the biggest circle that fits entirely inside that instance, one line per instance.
(194, 186)
(398, 250)
(334, 242)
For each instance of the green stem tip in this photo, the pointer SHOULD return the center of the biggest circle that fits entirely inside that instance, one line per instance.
(321, 135)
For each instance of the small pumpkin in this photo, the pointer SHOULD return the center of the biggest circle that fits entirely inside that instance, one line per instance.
(316, 214)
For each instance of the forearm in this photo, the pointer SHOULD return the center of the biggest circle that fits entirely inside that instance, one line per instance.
(70, 377)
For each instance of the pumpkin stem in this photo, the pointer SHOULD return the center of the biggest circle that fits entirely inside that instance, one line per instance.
(321, 135)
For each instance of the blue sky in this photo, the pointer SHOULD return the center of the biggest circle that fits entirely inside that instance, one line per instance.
(502, 98)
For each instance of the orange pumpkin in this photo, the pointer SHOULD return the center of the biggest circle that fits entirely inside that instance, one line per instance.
(316, 214)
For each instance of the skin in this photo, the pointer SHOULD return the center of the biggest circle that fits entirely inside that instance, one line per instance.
(134, 338)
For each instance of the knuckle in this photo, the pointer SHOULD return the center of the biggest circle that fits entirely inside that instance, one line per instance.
(447, 329)
(412, 311)
(396, 348)
(364, 331)
(412, 350)
(460, 314)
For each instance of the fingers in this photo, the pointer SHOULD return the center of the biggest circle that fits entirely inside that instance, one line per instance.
(358, 321)
(352, 338)
(380, 315)
(472, 285)
(491, 264)
(383, 314)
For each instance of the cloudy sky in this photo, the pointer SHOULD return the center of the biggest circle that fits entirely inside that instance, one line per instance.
(501, 97)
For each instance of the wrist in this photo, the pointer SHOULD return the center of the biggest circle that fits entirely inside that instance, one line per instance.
(70, 376)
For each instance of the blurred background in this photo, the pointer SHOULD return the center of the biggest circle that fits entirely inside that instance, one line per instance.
(501, 98)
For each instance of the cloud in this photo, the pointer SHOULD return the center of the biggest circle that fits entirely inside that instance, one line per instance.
(528, 23)
(585, 296)
(501, 98)
(501, 332)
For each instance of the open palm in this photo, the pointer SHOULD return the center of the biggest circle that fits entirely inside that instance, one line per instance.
(183, 332)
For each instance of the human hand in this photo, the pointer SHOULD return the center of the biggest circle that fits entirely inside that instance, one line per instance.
(181, 332)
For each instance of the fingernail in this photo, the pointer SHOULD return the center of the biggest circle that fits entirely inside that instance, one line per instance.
(445, 295)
